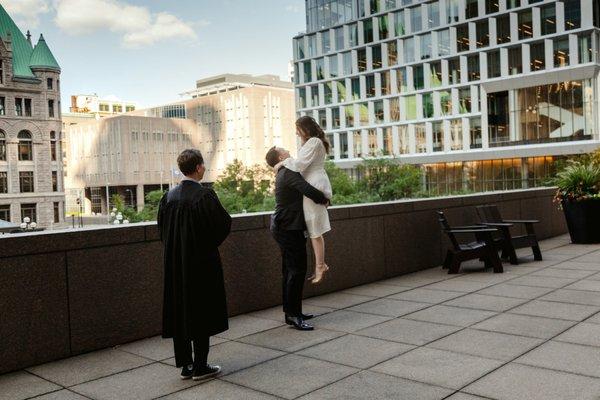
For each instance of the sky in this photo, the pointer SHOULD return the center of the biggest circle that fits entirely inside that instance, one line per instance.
(150, 51)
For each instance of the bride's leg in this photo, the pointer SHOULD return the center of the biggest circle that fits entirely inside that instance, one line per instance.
(320, 266)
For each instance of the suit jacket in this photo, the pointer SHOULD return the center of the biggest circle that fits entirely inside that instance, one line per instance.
(290, 187)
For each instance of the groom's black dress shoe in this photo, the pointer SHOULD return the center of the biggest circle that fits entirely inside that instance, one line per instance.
(298, 323)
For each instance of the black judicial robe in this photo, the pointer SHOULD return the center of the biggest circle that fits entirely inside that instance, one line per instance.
(193, 224)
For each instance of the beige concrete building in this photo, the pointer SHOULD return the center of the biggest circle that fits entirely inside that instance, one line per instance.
(30, 129)
(228, 117)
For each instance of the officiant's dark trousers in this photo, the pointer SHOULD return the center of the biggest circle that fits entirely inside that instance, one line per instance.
(183, 351)
(294, 264)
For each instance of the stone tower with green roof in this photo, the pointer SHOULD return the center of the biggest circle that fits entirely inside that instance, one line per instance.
(31, 168)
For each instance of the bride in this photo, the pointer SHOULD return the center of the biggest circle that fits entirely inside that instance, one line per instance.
(311, 165)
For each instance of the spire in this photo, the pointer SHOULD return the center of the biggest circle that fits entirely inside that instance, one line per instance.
(42, 57)
(29, 37)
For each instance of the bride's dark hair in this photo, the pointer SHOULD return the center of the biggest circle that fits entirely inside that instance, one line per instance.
(311, 128)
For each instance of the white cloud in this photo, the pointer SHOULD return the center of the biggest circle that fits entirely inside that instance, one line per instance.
(26, 12)
(293, 8)
(137, 25)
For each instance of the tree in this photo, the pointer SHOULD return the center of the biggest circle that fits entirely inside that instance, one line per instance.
(148, 213)
(389, 180)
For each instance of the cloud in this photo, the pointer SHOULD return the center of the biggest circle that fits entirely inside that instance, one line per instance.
(293, 8)
(138, 26)
(26, 12)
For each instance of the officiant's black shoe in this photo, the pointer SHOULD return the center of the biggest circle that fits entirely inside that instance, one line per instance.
(187, 371)
(298, 323)
(306, 317)
(206, 372)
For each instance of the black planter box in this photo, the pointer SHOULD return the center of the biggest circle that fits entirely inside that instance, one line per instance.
(583, 220)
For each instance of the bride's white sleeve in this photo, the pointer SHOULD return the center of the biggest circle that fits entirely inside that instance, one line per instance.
(306, 156)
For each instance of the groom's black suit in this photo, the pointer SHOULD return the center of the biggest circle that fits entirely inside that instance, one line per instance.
(288, 226)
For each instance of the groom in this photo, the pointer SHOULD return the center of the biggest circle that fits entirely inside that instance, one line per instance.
(287, 227)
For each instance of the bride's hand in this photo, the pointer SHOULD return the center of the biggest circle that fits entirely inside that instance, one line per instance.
(278, 166)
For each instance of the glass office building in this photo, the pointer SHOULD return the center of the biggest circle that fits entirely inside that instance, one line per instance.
(485, 94)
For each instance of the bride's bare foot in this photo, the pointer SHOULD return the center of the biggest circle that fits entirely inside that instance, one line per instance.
(320, 270)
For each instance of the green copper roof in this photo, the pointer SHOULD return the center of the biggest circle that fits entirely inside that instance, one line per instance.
(42, 57)
(23, 53)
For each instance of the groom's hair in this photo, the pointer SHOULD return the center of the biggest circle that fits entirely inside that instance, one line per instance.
(188, 160)
(272, 157)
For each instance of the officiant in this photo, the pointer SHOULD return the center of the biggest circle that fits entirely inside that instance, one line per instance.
(193, 224)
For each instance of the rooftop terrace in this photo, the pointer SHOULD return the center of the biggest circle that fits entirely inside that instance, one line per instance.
(530, 333)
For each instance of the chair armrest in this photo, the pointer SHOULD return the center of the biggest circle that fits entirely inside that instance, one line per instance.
(522, 221)
(480, 226)
(472, 230)
(498, 224)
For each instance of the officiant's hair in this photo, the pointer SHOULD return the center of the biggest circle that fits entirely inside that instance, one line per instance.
(188, 160)
(272, 157)
(310, 127)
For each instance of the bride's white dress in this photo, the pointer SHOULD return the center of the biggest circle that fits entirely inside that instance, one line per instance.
(311, 165)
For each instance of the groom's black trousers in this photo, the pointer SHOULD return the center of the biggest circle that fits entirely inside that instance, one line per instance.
(294, 264)
(183, 351)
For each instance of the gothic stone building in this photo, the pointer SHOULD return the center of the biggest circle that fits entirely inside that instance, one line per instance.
(30, 128)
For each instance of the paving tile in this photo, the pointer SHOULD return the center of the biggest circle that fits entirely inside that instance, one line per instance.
(568, 357)
(233, 356)
(376, 290)
(371, 385)
(589, 258)
(426, 296)
(357, 351)
(86, 367)
(595, 319)
(516, 291)
(408, 331)
(550, 309)
(572, 264)
(23, 385)
(290, 376)
(592, 286)
(244, 325)
(458, 286)
(438, 367)
(498, 346)
(515, 381)
(536, 327)
(417, 280)
(220, 390)
(143, 383)
(573, 297)
(584, 333)
(389, 307)
(451, 315)
(483, 302)
(557, 272)
(155, 348)
(347, 321)
(338, 300)
(542, 281)
(465, 396)
(594, 277)
(60, 395)
(276, 313)
(288, 339)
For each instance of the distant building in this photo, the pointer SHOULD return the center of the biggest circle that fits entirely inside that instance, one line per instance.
(31, 177)
(228, 117)
(92, 104)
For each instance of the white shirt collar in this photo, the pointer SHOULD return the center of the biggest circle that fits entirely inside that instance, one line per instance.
(185, 178)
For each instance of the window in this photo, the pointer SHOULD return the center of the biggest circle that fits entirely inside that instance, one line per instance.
(363, 114)
(355, 88)
(335, 118)
(401, 80)
(493, 64)
(3, 186)
(513, 4)
(452, 11)
(341, 91)
(117, 108)
(492, 6)
(498, 117)
(349, 113)
(27, 107)
(399, 22)
(347, 61)
(515, 63)
(426, 52)
(320, 68)
(339, 38)
(416, 19)
(18, 106)
(388, 142)
(343, 145)
(454, 71)
(25, 146)
(586, 52)
(483, 34)
(597, 14)
(572, 14)
(2, 105)
(537, 56)
(561, 52)
(384, 30)
(26, 182)
(333, 66)
(51, 108)
(421, 138)
(472, 9)
(446, 102)
(386, 85)
(49, 83)
(473, 68)
(376, 57)
(326, 42)
(548, 16)
(462, 38)
(411, 107)
(29, 211)
(353, 38)
(53, 145)
(375, 6)
(503, 29)
(403, 139)
(433, 14)
(302, 97)
(392, 51)
(444, 42)
(409, 50)
(307, 72)
(1, 72)
(378, 110)
(464, 100)
(56, 213)
(54, 181)
(418, 77)
(323, 119)
(368, 31)
(314, 96)
(395, 109)
(370, 81)
(328, 92)
(2, 146)
(435, 70)
(362, 59)
(357, 142)
(525, 25)
(475, 133)
(427, 105)
(299, 48)
(132, 108)
(5, 208)
(456, 136)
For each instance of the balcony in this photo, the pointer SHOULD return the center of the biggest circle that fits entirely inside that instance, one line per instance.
(81, 312)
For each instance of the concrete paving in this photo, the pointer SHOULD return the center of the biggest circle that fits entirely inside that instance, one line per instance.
(530, 333)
